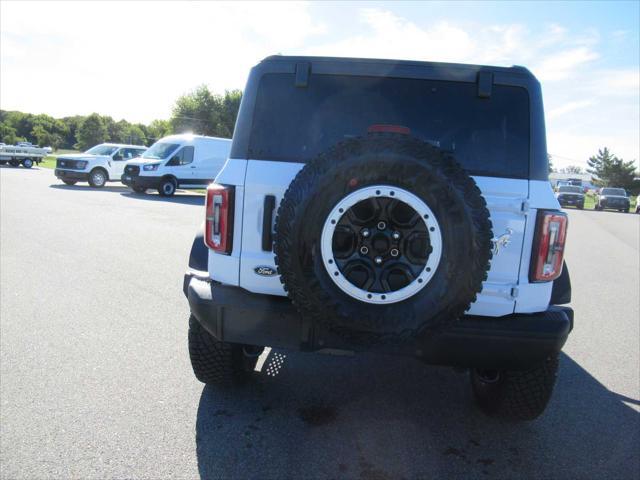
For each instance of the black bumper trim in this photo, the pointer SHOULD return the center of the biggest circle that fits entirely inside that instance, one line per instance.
(71, 175)
(516, 341)
(140, 181)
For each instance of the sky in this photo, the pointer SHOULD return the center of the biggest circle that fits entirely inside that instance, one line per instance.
(132, 60)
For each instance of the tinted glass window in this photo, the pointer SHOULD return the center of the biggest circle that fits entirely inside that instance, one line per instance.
(183, 157)
(160, 151)
(570, 189)
(487, 136)
(130, 153)
(101, 150)
(614, 191)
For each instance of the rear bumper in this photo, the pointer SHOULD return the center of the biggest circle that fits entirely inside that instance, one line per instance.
(516, 341)
(140, 181)
(72, 175)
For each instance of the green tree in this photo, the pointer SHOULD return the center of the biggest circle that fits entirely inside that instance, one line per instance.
(196, 112)
(135, 135)
(230, 106)
(610, 170)
(117, 130)
(72, 124)
(8, 134)
(158, 129)
(91, 131)
(200, 111)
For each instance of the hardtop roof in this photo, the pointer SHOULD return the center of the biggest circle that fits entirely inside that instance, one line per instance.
(391, 62)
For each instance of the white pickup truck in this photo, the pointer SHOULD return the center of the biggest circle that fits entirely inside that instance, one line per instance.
(98, 165)
(21, 155)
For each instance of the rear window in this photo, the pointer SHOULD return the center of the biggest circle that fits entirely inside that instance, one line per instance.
(614, 191)
(570, 189)
(487, 136)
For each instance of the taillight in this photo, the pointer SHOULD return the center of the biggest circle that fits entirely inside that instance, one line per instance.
(548, 246)
(219, 218)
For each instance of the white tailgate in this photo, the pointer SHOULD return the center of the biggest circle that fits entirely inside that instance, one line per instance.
(505, 199)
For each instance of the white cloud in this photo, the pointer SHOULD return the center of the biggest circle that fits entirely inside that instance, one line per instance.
(562, 65)
(132, 60)
(568, 107)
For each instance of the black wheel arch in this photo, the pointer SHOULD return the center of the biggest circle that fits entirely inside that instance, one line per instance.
(561, 291)
(199, 255)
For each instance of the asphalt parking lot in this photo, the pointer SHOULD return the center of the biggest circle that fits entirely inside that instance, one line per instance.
(95, 380)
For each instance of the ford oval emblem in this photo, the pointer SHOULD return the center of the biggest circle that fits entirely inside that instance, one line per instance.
(265, 271)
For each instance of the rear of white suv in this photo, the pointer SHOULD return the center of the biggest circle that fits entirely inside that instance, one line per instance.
(304, 126)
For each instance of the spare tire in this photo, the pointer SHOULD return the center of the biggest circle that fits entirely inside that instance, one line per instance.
(382, 237)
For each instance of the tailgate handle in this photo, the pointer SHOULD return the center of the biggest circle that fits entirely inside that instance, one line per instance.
(267, 221)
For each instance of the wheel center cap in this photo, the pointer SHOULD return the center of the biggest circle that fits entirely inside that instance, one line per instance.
(380, 243)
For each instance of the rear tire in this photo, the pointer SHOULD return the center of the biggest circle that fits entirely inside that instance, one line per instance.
(167, 187)
(215, 362)
(27, 163)
(97, 178)
(14, 163)
(515, 395)
(69, 182)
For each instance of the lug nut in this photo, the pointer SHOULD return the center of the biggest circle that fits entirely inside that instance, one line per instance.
(382, 225)
(396, 235)
(364, 250)
(378, 260)
(394, 252)
(365, 233)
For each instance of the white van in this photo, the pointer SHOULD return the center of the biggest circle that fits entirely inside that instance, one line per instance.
(177, 161)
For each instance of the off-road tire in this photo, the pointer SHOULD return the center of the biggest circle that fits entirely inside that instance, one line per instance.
(14, 163)
(517, 395)
(95, 184)
(400, 161)
(215, 362)
(69, 182)
(27, 163)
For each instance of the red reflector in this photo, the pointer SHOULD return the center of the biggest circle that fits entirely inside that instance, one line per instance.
(219, 218)
(389, 128)
(548, 246)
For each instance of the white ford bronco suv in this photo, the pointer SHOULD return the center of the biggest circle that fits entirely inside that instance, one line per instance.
(98, 165)
(391, 206)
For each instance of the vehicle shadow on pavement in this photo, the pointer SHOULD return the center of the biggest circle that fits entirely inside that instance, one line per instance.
(379, 417)
(87, 188)
(9, 167)
(183, 198)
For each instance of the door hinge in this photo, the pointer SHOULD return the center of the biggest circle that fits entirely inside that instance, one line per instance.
(524, 208)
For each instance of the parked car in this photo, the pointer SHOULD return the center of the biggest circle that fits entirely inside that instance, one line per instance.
(612, 199)
(638, 204)
(98, 165)
(177, 161)
(388, 206)
(570, 195)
